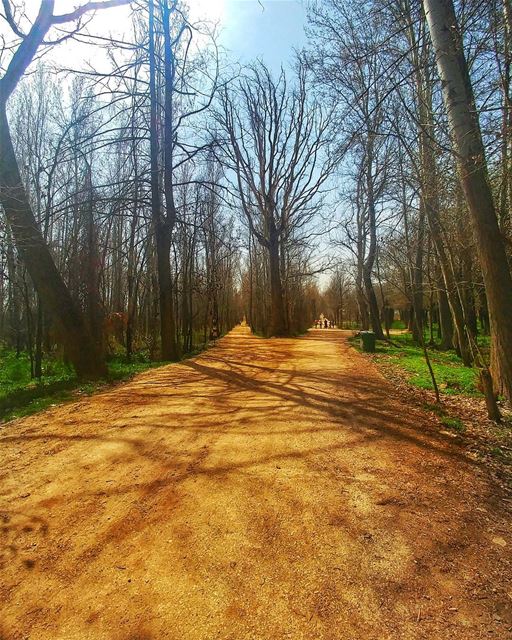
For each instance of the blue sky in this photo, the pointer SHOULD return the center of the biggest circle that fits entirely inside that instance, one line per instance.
(249, 29)
(270, 30)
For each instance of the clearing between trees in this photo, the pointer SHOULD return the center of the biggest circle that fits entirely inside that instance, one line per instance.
(266, 489)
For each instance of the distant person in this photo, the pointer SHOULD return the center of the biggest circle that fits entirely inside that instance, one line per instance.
(326, 323)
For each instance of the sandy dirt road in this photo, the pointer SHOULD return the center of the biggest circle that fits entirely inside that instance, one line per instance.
(263, 490)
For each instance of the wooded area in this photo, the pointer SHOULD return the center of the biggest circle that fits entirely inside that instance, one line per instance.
(154, 200)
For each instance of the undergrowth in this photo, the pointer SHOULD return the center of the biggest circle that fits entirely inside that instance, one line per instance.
(453, 423)
(21, 395)
(451, 374)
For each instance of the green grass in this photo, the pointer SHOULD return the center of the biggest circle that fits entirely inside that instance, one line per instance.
(503, 456)
(451, 375)
(438, 409)
(119, 369)
(451, 422)
(455, 424)
(348, 324)
(20, 395)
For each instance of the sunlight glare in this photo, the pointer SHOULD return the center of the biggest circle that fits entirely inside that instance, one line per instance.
(211, 10)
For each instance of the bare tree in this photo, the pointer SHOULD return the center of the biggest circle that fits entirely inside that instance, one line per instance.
(275, 142)
(81, 348)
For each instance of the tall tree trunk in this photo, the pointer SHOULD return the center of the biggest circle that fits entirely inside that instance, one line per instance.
(467, 139)
(13, 297)
(417, 279)
(94, 307)
(483, 311)
(362, 305)
(170, 216)
(506, 124)
(372, 248)
(277, 315)
(160, 226)
(131, 271)
(445, 319)
(372, 304)
(468, 291)
(250, 319)
(38, 354)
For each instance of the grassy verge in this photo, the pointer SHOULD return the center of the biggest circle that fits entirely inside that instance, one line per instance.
(462, 412)
(21, 396)
(451, 375)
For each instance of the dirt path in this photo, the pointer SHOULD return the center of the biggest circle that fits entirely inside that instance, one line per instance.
(266, 489)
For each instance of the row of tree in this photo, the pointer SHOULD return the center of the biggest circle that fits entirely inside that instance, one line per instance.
(123, 194)
(422, 92)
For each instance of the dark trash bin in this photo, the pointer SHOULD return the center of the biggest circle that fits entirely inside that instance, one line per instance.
(367, 341)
